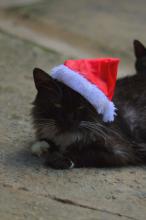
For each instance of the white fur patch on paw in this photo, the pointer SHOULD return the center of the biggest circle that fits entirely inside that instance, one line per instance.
(39, 148)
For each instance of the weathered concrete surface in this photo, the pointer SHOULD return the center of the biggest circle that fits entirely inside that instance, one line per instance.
(15, 3)
(30, 191)
(81, 28)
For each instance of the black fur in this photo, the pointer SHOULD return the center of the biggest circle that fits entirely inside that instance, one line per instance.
(140, 54)
(76, 131)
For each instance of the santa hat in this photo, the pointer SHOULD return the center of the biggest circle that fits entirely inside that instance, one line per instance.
(94, 79)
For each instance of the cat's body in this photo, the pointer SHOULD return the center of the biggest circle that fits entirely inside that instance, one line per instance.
(74, 132)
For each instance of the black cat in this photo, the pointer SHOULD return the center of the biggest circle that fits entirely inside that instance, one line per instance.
(140, 54)
(70, 133)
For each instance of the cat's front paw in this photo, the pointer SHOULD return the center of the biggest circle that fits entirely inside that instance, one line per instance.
(40, 148)
(58, 161)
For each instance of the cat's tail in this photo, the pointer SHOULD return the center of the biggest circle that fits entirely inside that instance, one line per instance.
(140, 152)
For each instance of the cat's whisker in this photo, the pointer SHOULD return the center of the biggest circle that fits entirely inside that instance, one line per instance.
(47, 126)
(93, 128)
(96, 125)
(46, 122)
(108, 130)
(51, 122)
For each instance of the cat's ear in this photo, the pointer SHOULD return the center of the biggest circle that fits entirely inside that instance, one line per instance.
(42, 79)
(46, 85)
(139, 49)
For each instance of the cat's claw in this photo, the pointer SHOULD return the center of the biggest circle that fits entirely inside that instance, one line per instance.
(39, 148)
(58, 161)
(72, 165)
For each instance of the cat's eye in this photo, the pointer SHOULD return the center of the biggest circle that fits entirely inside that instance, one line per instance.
(81, 107)
(57, 105)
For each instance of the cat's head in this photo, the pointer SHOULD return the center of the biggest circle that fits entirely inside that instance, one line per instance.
(56, 106)
(140, 54)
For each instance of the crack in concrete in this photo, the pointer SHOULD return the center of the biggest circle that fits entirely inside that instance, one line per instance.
(69, 202)
(29, 31)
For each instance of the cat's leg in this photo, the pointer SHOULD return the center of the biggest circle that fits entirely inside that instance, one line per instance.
(88, 156)
(57, 160)
(140, 151)
(96, 156)
(39, 148)
(54, 158)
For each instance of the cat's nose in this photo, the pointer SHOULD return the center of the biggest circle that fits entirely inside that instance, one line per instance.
(72, 120)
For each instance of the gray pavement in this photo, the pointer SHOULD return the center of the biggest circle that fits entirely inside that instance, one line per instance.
(30, 191)
(42, 34)
(15, 3)
(80, 28)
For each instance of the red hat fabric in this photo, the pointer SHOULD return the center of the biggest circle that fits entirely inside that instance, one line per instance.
(94, 79)
(101, 72)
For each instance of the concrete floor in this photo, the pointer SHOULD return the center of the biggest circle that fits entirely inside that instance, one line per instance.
(30, 191)
(79, 28)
